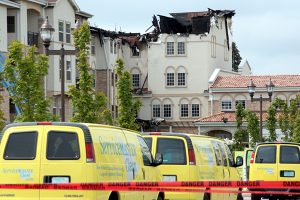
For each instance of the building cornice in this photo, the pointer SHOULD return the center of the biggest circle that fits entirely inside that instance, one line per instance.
(245, 90)
(41, 2)
(10, 3)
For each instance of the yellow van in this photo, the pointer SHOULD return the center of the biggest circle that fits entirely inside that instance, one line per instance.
(194, 158)
(74, 153)
(275, 162)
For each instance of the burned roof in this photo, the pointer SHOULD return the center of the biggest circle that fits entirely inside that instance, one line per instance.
(191, 22)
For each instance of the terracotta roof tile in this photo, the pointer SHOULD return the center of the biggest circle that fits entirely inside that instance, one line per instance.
(259, 81)
(230, 116)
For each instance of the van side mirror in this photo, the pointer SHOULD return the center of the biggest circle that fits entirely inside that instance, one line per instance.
(239, 161)
(158, 159)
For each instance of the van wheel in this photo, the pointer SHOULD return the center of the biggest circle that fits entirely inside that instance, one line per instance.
(255, 197)
(206, 196)
(239, 196)
(113, 196)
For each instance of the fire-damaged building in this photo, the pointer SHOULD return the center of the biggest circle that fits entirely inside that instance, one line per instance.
(170, 66)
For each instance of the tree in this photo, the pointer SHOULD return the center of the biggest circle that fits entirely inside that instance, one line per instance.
(2, 118)
(89, 106)
(236, 58)
(25, 72)
(241, 134)
(128, 107)
(271, 123)
(296, 133)
(252, 127)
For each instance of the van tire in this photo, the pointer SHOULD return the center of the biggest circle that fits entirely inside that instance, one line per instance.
(255, 197)
(114, 196)
(206, 196)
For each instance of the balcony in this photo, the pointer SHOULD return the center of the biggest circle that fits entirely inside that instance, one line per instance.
(33, 39)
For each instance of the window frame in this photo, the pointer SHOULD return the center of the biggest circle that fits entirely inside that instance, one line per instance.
(170, 48)
(193, 109)
(167, 110)
(170, 79)
(93, 45)
(21, 158)
(62, 158)
(136, 80)
(11, 27)
(184, 110)
(61, 32)
(68, 32)
(228, 107)
(242, 101)
(156, 109)
(181, 48)
(181, 79)
(68, 70)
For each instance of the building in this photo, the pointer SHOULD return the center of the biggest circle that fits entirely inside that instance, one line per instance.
(22, 20)
(225, 92)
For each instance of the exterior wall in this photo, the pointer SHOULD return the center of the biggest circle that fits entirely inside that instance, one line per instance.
(3, 28)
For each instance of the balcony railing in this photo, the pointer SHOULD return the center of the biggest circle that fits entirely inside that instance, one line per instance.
(33, 38)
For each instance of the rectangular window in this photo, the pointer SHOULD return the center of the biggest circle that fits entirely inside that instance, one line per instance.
(266, 154)
(289, 155)
(213, 46)
(93, 45)
(135, 80)
(181, 48)
(61, 31)
(170, 79)
(135, 51)
(68, 32)
(195, 110)
(181, 79)
(111, 43)
(54, 110)
(21, 146)
(170, 48)
(62, 146)
(68, 70)
(226, 105)
(115, 48)
(242, 102)
(173, 151)
(167, 110)
(184, 110)
(11, 24)
(156, 110)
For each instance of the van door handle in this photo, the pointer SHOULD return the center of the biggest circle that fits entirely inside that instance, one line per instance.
(144, 175)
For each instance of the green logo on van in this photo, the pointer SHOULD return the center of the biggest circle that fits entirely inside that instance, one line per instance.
(112, 148)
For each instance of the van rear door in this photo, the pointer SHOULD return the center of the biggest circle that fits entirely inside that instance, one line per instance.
(264, 166)
(63, 160)
(289, 160)
(20, 161)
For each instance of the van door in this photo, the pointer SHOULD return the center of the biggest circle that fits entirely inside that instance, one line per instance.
(219, 169)
(226, 169)
(20, 162)
(264, 166)
(175, 166)
(289, 160)
(63, 161)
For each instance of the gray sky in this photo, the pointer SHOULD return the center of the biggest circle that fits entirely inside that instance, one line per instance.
(266, 31)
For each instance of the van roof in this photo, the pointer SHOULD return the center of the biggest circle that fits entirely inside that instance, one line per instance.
(84, 126)
(293, 143)
(178, 134)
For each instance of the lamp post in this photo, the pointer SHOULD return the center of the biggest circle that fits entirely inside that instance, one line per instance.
(251, 89)
(47, 35)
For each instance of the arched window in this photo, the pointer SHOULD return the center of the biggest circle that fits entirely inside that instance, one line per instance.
(195, 107)
(181, 76)
(184, 108)
(167, 108)
(226, 103)
(240, 100)
(156, 108)
(170, 46)
(136, 77)
(181, 46)
(170, 77)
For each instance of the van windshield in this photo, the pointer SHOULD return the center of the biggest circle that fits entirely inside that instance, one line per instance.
(266, 154)
(289, 155)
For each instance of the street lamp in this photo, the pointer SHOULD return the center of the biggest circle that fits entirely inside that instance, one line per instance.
(47, 35)
(251, 89)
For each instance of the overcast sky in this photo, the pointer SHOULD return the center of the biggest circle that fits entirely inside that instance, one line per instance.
(267, 32)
